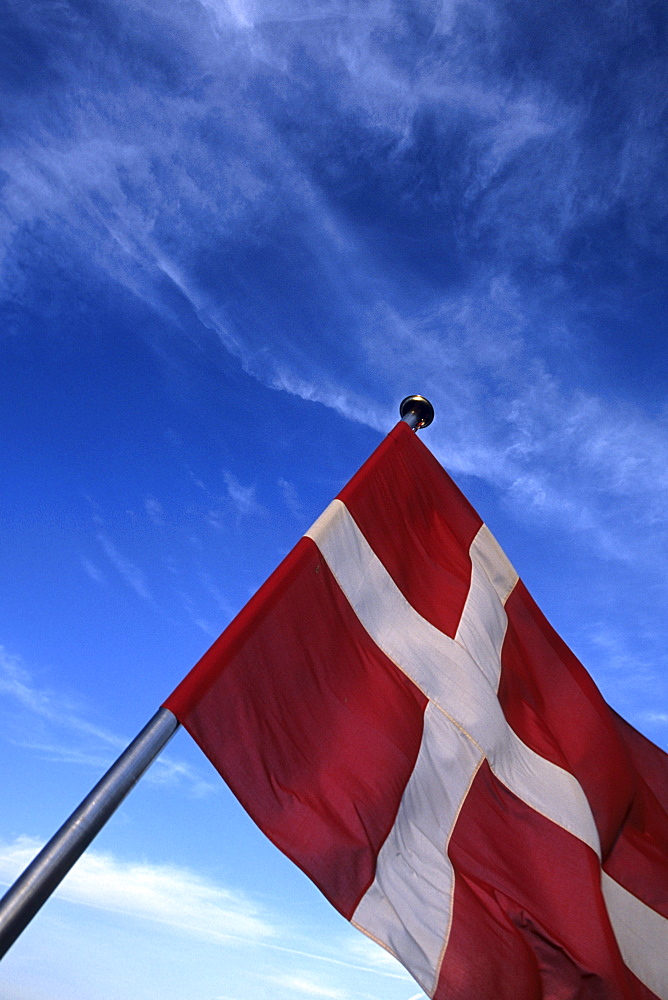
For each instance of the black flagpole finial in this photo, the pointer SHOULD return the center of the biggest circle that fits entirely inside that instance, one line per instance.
(416, 411)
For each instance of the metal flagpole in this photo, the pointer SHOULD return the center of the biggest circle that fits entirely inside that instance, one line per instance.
(45, 873)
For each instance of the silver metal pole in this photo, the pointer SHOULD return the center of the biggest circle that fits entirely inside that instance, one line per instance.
(416, 411)
(32, 889)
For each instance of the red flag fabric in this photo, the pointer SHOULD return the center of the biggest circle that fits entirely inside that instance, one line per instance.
(397, 715)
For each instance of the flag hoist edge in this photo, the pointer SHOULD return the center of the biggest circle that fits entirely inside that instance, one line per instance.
(398, 716)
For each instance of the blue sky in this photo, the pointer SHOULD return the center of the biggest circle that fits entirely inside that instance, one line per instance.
(233, 236)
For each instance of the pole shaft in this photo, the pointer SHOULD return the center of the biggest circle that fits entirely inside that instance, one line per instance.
(32, 889)
(412, 419)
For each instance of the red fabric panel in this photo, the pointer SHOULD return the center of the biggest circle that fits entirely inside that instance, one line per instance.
(312, 727)
(196, 684)
(648, 759)
(555, 708)
(419, 525)
(638, 857)
(529, 919)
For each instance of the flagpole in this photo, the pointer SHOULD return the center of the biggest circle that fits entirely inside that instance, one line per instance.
(45, 873)
(32, 889)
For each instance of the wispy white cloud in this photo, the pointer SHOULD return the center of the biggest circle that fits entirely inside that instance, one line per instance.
(214, 591)
(195, 615)
(133, 576)
(291, 498)
(155, 511)
(57, 728)
(92, 570)
(307, 985)
(655, 717)
(338, 397)
(389, 971)
(17, 683)
(370, 954)
(160, 893)
(243, 497)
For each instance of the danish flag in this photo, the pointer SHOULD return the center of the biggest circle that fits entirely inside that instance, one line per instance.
(397, 715)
